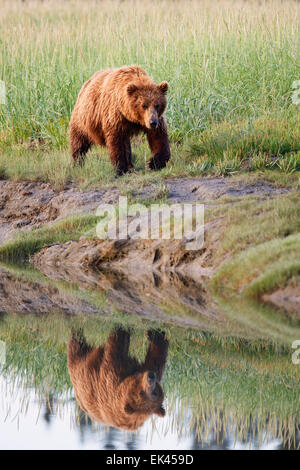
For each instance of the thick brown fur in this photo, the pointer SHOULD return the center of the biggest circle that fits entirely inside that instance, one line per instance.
(114, 388)
(113, 106)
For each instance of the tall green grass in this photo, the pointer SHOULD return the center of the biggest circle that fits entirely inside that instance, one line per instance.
(225, 61)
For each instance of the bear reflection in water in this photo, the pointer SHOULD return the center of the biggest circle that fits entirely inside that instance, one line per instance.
(114, 388)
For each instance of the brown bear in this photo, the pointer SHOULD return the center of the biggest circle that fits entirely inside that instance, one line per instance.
(114, 105)
(114, 388)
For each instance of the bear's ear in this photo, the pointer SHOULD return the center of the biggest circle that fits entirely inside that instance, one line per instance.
(163, 86)
(161, 412)
(131, 88)
(128, 409)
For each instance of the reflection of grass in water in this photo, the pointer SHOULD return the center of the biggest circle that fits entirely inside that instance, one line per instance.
(241, 379)
(240, 317)
(259, 320)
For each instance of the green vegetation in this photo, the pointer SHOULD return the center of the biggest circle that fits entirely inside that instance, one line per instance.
(242, 380)
(232, 105)
(26, 244)
(264, 144)
(263, 267)
(263, 241)
(257, 251)
(232, 111)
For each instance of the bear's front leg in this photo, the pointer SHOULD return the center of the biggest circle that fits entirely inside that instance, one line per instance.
(117, 346)
(119, 153)
(158, 140)
(129, 155)
(157, 353)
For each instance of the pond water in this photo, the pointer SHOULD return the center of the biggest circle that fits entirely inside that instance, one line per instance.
(31, 422)
(227, 382)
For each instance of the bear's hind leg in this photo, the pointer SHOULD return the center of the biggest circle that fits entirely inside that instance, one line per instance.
(119, 153)
(78, 348)
(79, 145)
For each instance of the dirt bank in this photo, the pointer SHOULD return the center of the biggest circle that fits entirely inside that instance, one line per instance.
(26, 205)
(142, 256)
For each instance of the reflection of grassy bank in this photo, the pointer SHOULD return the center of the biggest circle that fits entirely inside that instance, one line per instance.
(258, 320)
(175, 304)
(244, 380)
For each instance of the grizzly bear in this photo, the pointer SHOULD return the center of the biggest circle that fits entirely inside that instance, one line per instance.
(114, 388)
(113, 106)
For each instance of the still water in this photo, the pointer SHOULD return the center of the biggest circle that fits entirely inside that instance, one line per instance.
(196, 380)
(55, 424)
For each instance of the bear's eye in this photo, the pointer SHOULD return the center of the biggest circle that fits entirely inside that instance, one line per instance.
(142, 393)
(156, 107)
(145, 106)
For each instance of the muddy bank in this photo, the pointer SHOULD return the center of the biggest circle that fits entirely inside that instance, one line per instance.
(180, 190)
(142, 262)
(135, 257)
(29, 205)
(26, 205)
(140, 256)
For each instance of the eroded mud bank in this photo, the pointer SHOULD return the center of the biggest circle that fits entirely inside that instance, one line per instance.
(26, 205)
(125, 269)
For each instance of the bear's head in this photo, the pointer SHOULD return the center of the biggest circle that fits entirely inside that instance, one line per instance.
(144, 395)
(147, 102)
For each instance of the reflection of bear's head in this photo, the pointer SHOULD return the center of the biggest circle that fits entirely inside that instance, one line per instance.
(147, 102)
(114, 388)
(144, 394)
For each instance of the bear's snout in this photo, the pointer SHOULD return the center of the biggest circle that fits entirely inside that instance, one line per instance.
(156, 392)
(153, 123)
(151, 118)
(151, 377)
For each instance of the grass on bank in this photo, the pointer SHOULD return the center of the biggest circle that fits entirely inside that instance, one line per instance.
(260, 246)
(224, 150)
(262, 268)
(26, 244)
(258, 253)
